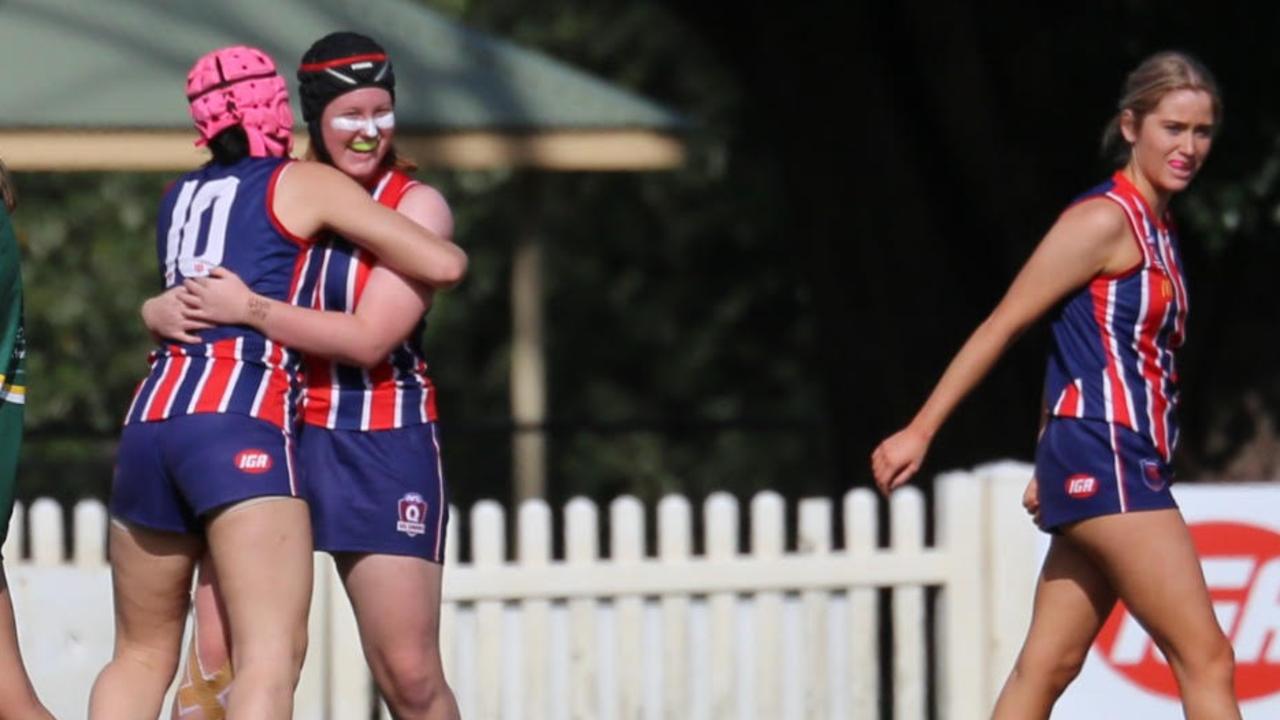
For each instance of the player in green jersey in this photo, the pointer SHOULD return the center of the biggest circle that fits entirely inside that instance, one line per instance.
(17, 697)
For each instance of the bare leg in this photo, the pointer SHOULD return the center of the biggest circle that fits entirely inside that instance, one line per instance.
(1152, 564)
(151, 578)
(1072, 601)
(262, 554)
(397, 606)
(17, 698)
(203, 689)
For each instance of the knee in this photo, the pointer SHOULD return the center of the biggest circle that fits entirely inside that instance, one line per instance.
(1053, 670)
(156, 660)
(280, 656)
(413, 683)
(1211, 661)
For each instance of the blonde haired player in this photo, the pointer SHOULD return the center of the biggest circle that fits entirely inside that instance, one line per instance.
(1111, 273)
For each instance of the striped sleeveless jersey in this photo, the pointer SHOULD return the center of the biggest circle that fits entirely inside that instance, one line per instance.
(1114, 339)
(397, 392)
(221, 216)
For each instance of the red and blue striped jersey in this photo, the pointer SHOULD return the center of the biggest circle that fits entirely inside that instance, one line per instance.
(397, 392)
(221, 216)
(1114, 339)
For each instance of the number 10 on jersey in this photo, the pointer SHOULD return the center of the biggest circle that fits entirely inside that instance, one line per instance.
(194, 246)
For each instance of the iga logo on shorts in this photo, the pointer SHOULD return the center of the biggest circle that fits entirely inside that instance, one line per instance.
(1081, 486)
(254, 462)
(413, 510)
(1242, 568)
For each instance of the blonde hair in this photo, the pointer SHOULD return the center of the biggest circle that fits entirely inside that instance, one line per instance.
(1147, 85)
(7, 192)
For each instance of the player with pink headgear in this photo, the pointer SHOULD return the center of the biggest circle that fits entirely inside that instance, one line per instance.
(370, 459)
(206, 456)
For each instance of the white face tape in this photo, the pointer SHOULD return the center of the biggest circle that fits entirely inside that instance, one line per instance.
(368, 127)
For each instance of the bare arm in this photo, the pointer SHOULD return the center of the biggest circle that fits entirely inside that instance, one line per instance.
(389, 307)
(1089, 239)
(312, 196)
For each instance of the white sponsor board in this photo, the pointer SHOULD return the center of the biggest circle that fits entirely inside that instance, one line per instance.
(1237, 531)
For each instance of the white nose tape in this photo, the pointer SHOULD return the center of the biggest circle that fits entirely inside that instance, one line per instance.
(367, 126)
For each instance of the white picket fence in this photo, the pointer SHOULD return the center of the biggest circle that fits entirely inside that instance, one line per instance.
(651, 633)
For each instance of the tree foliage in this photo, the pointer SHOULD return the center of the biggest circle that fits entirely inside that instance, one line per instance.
(678, 334)
(863, 181)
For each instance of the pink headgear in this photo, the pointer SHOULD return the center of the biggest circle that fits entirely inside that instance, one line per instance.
(240, 86)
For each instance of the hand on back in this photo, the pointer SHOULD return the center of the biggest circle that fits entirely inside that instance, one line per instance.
(221, 298)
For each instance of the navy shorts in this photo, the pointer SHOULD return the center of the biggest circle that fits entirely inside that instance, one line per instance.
(171, 473)
(376, 491)
(1088, 468)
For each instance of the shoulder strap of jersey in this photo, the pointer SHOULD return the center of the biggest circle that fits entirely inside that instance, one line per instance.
(391, 188)
(270, 201)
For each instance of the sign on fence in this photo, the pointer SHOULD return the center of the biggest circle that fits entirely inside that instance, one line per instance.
(1236, 529)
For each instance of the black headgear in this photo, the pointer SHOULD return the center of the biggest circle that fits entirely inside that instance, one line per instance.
(335, 65)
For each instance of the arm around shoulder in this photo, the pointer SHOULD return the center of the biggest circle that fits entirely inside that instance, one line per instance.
(312, 196)
(426, 206)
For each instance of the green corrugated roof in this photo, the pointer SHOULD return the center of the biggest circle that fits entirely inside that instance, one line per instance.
(122, 63)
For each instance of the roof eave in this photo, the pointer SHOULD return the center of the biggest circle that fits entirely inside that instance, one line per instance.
(609, 149)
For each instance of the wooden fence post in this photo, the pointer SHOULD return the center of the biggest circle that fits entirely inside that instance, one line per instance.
(722, 544)
(1013, 556)
(489, 549)
(534, 551)
(864, 610)
(582, 549)
(674, 536)
(963, 646)
(768, 536)
(90, 527)
(47, 548)
(906, 534)
(626, 548)
(814, 540)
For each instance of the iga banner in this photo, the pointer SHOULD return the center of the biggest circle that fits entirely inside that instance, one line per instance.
(1236, 528)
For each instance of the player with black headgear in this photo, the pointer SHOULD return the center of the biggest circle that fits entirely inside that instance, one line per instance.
(369, 451)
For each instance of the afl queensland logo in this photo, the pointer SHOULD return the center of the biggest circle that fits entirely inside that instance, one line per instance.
(1081, 486)
(413, 512)
(254, 461)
